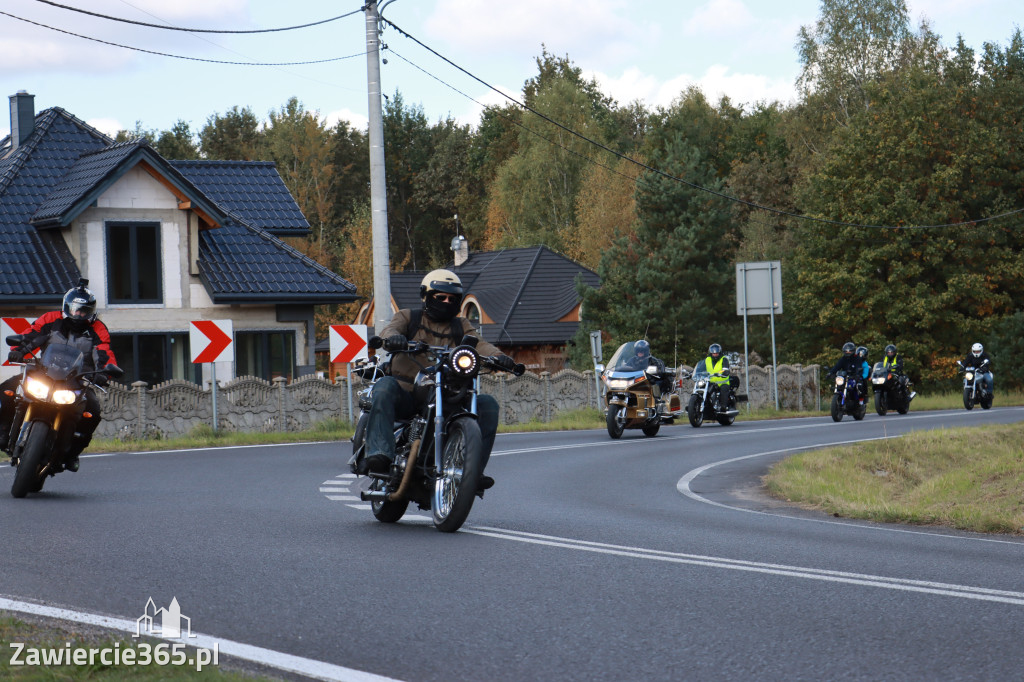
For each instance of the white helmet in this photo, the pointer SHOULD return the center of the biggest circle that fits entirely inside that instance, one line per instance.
(977, 349)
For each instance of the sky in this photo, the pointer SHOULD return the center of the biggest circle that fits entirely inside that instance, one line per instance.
(647, 51)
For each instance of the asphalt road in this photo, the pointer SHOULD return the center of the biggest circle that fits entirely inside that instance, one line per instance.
(591, 559)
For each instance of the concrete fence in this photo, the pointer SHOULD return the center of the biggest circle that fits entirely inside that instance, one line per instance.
(175, 408)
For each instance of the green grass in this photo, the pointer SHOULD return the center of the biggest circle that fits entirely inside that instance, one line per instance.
(966, 478)
(48, 634)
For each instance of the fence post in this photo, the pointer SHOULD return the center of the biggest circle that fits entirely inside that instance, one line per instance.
(546, 377)
(281, 381)
(140, 422)
(800, 387)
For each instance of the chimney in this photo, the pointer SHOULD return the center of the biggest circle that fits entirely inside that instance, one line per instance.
(23, 117)
(461, 248)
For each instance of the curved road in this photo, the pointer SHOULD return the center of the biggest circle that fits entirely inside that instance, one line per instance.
(591, 559)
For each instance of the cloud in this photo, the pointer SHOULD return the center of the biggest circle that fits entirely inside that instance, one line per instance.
(355, 121)
(108, 126)
(716, 82)
(719, 18)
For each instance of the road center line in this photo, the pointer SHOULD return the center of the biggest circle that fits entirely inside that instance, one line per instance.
(883, 582)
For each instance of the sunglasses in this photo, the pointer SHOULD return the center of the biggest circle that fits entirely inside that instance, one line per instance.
(444, 298)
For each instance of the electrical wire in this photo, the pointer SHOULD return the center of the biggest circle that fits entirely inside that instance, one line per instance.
(750, 204)
(194, 30)
(177, 56)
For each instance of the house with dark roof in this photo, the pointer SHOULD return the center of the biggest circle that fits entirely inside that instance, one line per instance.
(522, 300)
(162, 243)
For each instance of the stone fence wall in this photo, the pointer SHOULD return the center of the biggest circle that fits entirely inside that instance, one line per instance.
(175, 408)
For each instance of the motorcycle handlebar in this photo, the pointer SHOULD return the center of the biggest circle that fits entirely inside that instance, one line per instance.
(413, 347)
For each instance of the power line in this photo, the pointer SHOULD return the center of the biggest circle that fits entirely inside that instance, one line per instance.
(177, 56)
(674, 178)
(194, 30)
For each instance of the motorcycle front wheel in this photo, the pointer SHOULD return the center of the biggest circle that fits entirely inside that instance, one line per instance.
(837, 408)
(881, 403)
(615, 425)
(694, 412)
(27, 479)
(968, 399)
(461, 468)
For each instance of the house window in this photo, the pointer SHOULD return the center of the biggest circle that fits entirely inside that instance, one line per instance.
(473, 314)
(133, 263)
(154, 358)
(266, 355)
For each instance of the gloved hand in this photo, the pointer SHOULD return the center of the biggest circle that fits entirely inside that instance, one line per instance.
(16, 356)
(100, 379)
(395, 342)
(505, 362)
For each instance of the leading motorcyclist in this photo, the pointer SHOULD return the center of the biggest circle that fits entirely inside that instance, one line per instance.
(976, 360)
(852, 364)
(717, 363)
(437, 323)
(75, 324)
(642, 359)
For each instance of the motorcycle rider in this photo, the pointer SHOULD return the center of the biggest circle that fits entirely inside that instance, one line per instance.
(75, 324)
(974, 360)
(717, 363)
(642, 359)
(437, 323)
(852, 365)
(865, 370)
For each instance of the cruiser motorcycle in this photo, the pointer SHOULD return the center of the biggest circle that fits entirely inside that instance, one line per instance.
(633, 396)
(846, 398)
(975, 392)
(49, 402)
(892, 390)
(705, 401)
(439, 451)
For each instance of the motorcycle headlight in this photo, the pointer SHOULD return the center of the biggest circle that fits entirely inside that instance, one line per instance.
(878, 380)
(63, 397)
(618, 384)
(839, 381)
(37, 389)
(702, 383)
(969, 376)
(464, 361)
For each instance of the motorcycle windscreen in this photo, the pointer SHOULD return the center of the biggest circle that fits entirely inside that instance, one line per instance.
(879, 370)
(625, 360)
(61, 361)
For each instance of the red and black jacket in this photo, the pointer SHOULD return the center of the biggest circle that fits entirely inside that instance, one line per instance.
(94, 340)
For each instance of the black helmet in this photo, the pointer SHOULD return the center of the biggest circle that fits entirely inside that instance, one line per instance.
(862, 352)
(890, 351)
(849, 348)
(714, 350)
(441, 283)
(80, 306)
(642, 349)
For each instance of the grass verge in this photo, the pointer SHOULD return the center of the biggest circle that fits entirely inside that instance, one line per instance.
(965, 478)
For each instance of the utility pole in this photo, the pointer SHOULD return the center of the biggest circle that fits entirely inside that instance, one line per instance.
(378, 187)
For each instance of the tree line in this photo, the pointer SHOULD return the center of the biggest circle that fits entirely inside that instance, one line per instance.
(878, 190)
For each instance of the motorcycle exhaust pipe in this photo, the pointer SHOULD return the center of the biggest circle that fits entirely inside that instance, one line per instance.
(370, 495)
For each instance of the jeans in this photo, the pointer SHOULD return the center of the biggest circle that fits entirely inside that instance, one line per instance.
(986, 380)
(390, 402)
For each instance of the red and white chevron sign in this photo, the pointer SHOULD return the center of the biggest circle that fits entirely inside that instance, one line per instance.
(211, 341)
(348, 342)
(14, 325)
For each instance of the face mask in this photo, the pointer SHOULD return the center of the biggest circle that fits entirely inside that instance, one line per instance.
(438, 311)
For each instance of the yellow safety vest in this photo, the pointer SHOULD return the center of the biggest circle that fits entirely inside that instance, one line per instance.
(713, 367)
(886, 364)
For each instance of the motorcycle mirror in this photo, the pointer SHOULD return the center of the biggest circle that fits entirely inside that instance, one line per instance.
(469, 340)
(375, 342)
(14, 339)
(652, 369)
(599, 368)
(113, 370)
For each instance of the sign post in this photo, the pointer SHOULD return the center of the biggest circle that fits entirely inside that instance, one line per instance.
(348, 343)
(759, 292)
(212, 341)
(597, 355)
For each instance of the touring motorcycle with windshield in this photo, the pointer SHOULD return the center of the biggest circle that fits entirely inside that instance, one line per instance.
(975, 391)
(705, 401)
(439, 451)
(633, 395)
(892, 390)
(846, 397)
(49, 402)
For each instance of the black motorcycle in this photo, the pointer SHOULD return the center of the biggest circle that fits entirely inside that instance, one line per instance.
(975, 392)
(446, 425)
(847, 398)
(706, 403)
(892, 390)
(49, 403)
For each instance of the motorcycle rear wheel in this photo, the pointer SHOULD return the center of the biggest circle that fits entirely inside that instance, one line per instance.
(986, 402)
(859, 411)
(462, 466)
(651, 430)
(968, 399)
(693, 411)
(615, 427)
(27, 479)
(387, 511)
(837, 409)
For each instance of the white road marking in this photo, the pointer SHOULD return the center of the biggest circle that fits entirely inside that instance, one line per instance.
(343, 498)
(317, 670)
(883, 582)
